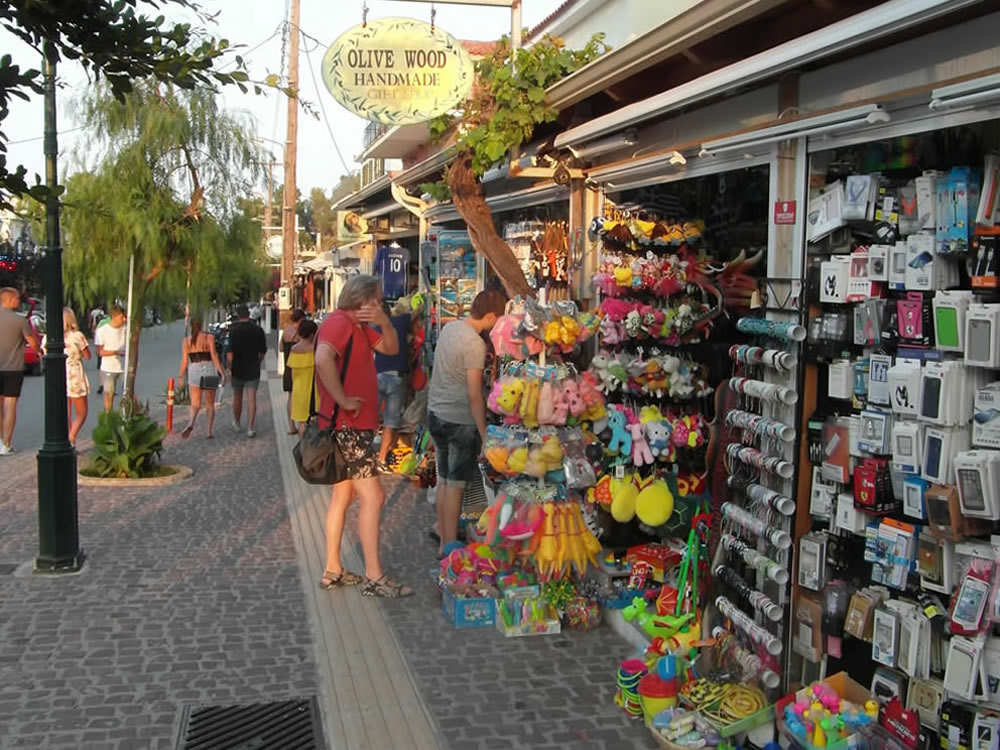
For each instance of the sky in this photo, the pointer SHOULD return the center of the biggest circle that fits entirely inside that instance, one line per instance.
(256, 24)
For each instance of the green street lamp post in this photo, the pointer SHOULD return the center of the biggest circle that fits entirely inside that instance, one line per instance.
(58, 524)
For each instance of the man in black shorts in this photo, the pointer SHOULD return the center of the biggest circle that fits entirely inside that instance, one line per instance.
(14, 331)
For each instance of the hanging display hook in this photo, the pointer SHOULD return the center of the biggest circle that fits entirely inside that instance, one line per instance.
(364, 14)
(433, 15)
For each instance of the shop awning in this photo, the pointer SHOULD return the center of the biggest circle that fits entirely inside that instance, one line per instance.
(884, 20)
(352, 250)
(357, 198)
(677, 34)
(512, 201)
(425, 168)
(381, 210)
(319, 263)
(397, 142)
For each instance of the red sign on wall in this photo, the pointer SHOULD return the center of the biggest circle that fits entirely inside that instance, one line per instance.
(784, 212)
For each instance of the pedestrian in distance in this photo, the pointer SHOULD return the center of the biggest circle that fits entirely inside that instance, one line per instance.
(110, 341)
(289, 336)
(15, 331)
(392, 373)
(456, 407)
(77, 383)
(98, 318)
(301, 363)
(200, 362)
(247, 347)
(348, 396)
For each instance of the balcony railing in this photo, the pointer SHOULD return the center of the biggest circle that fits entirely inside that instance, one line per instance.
(373, 131)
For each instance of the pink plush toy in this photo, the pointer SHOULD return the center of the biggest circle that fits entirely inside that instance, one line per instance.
(560, 406)
(573, 397)
(546, 404)
(641, 454)
(495, 391)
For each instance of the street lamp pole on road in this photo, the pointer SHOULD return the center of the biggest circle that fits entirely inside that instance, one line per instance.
(58, 523)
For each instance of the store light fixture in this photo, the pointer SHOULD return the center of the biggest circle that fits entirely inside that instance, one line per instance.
(605, 145)
(844, 119)
(967, 93)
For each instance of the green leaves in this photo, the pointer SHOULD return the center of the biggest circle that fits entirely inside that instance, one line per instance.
(125, 445)
(508, 101)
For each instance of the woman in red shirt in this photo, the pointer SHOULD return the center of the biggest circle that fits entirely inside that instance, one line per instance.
(351, 394)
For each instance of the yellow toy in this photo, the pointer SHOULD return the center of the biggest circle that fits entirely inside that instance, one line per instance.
(623, 276)
(871, 708)
(529, 403)
(819, 736)
(510, 395)
(518, 460)
(544, 458)
(654, 503)
(624, 494)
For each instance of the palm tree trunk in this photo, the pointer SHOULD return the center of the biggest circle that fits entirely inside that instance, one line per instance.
(467, 195)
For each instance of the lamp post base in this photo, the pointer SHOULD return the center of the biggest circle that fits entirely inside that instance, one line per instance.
(58, 526)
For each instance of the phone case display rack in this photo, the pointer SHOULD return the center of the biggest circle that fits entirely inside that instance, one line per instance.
(906, 466)
(678, 395)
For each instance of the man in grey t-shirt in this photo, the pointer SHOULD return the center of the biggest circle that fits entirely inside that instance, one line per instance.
(457, 408)
(14, 331)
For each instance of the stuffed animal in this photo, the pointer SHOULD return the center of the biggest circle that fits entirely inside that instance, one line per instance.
(510, 396)
(600, 367)
(573, 397)
(641, 454)
(621, 438)
(610, 331)
(560, 406)
(546, 404)
(495, 391)
(529, 403)
(658, 434)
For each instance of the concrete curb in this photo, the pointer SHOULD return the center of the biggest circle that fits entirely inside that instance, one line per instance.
(181, 473)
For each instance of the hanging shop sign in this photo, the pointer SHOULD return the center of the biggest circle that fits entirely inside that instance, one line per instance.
(351, 227)
(398, 71)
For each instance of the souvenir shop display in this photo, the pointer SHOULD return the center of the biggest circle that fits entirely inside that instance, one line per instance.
(543, 252)
(457, 280)
(536, 536)
(910, 426)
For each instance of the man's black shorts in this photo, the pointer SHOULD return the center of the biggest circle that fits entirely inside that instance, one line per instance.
(11, 382)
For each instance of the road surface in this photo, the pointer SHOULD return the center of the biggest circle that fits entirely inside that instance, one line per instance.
(159, 357)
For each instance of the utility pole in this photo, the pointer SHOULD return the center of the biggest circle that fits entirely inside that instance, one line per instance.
(58, 522)
(291, 149)
(270, 195)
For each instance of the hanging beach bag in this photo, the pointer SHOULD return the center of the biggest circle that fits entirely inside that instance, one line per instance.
(317, 455)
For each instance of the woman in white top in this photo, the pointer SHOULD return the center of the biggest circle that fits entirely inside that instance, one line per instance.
(77, 385)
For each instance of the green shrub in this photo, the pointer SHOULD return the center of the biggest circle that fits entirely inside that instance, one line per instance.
(126, 445)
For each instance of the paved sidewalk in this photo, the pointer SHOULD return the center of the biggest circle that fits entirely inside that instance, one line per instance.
(205, 592)
(191, 595)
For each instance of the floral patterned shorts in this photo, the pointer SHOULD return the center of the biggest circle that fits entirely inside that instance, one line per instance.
(358, 449)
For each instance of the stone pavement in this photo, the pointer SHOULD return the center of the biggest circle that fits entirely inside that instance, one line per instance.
(487, 691)
(196, 594)
(190, 595)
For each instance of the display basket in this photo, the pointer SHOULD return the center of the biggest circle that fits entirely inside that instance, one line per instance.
(745, 724)
(847, 689)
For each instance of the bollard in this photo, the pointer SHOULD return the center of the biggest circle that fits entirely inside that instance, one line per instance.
(170, 406)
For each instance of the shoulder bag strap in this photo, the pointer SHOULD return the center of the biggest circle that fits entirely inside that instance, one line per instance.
(343, 370)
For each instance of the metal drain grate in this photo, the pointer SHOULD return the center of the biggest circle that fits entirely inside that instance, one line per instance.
(7, 569)
(285, 725)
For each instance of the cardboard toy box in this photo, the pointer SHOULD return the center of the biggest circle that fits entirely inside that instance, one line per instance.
(846, 688)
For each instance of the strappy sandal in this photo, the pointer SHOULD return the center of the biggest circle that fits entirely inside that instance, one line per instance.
(386, 588)
(186, 432)
(332, 580)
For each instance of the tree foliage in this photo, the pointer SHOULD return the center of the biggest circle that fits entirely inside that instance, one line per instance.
(170, 168)
(506, 105)
(117, 42)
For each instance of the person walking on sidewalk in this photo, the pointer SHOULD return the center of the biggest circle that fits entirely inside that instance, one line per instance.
(289, 337)
(15, 330)
(392, 371)
(200, 361)
(348, 395)
(456, 407)
(110, 341)
(77, 384)
(301, 363)
(247, 347)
